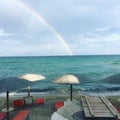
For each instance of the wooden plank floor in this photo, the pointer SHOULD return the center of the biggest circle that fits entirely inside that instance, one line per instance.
(98, 107)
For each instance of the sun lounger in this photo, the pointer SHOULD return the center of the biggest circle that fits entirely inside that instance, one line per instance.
(59, 104)
(18, 103)
(23, 115)
(3, 115)
(40, 101)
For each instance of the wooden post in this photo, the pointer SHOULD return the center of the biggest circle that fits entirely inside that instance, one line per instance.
(7, 104)
(71, 92)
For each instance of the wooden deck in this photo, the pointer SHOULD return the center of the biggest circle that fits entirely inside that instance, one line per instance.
(99, 107)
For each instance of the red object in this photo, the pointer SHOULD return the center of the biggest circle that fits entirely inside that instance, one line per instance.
(118, 110)
(59, 104)
(3, 115)
(40, 101)
(18, 103)
(22, 115)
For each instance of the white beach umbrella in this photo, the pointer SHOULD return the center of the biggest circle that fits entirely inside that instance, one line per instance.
(68, 79)
(32, 78)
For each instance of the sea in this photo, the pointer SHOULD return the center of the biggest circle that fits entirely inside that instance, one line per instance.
(96, 73)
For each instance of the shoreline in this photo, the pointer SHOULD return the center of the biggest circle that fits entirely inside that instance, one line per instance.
(91, 93)
(103, 93)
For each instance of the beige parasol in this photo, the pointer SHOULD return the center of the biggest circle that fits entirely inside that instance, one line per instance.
(32, 78)
(68, 79)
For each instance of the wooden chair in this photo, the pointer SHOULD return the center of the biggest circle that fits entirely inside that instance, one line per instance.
(28, 101)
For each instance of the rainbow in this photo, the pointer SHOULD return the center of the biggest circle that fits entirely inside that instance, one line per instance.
(44, 21)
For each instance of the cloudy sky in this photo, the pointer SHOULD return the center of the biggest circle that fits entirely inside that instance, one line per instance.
(54, 27)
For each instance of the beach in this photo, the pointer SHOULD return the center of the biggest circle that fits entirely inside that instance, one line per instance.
(37, 112)
(44, 112)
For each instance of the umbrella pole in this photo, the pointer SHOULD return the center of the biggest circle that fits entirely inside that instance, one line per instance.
(7, 104)
(71, 92)
(29, 91)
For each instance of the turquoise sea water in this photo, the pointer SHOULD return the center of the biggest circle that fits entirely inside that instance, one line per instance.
(91, 70)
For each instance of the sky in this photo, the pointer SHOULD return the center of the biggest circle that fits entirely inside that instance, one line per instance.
(53, 27)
